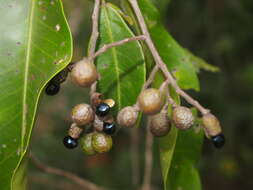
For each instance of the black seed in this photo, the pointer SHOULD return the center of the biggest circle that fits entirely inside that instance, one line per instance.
(52, 88)
(102, 109)
(61, 76)
(109, 128)
(218, 140)
(70, 142)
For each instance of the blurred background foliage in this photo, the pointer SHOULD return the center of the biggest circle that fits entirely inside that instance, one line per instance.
(220, 31)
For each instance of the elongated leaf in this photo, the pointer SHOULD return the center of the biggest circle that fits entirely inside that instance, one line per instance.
(122, 68)
(35, 44)
(200, 63)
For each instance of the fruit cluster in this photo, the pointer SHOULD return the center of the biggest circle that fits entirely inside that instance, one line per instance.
(152, 102)
(96, 125)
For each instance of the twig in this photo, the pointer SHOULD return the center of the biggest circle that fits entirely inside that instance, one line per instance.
(148, 159)
(95, 33)
(159, 60)
(56, 171)
(134, 135)
(151, 77)
(115, 44)
(62, 185)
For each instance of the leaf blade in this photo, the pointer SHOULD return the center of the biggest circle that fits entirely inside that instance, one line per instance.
(37, 44)
(122, 68)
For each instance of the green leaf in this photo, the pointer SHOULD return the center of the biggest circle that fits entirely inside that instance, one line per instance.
(162, 5)
(200, 63)
(122, 68)
(35, 44)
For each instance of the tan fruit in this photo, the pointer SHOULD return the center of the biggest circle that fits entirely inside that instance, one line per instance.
(84, 73)
(75, 131)
(82, 114)
(211, 125)
(182, 117)
(151, 101)
(127, 117)
(160, 125)
(101, 142)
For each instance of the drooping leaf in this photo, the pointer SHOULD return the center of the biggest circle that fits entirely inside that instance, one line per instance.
(122, 68)
(35, 44)
(200, 63)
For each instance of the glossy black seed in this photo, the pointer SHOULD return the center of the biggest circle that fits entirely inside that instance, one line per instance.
(52, 88)
(102, 109)
(70, 142)
(109, 128)
(218, 140)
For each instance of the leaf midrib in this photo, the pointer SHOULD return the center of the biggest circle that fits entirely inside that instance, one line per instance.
(115, 57)
(26, 71)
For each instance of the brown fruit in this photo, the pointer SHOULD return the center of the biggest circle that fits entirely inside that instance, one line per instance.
(151, 101)
(160, 125)
(182, 117)
(127, 117)
(75, 131)
(211, 125)
(84, 73)
(82, 114)
(101, 142)
(86, 144)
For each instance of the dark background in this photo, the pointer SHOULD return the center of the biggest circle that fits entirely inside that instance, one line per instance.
(221, 32)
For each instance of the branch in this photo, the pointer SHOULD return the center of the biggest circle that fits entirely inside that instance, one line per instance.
(77, 180)
(151, 77)
(115, 44)
(95, 33)
(159, 60)
(149, 159)
(135, 151)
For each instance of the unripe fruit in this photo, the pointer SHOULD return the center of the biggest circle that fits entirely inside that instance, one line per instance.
(82, 114)
(84, 73)
(70, 142)
(160, 125)
(109, 128)
(52, 88)
(86, 143)
(182, 117)
(151, 101)
(127, 117)
(101, 142)
(211, 125)
(103, 109)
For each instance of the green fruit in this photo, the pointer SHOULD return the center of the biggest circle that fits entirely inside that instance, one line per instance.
(101, 142)
(86, 144)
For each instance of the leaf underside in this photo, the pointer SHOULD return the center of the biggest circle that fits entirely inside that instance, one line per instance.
(35, 44)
